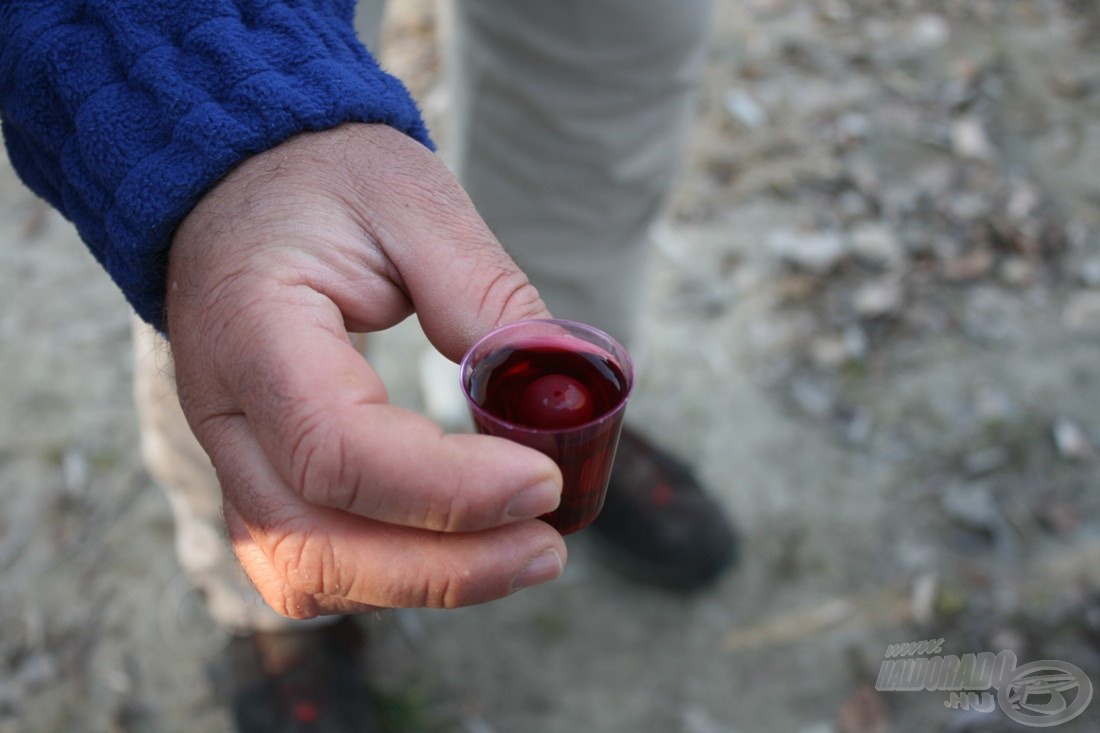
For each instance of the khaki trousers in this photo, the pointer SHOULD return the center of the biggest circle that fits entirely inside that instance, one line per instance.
(568, 121)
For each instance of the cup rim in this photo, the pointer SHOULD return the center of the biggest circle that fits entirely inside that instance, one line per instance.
(626, 364)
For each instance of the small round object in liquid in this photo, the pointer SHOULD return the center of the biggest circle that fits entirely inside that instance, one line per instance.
(555, 402)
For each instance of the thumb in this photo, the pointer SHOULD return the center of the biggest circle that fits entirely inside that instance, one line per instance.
(461, 281)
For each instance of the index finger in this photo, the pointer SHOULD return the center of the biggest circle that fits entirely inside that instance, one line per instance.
(322, 416)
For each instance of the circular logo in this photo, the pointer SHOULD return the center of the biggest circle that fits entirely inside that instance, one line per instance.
(1045, 693)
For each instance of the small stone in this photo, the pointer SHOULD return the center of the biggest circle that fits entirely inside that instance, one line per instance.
(745, 109)
(1082, 313)
(797, 287)
(970, 141)
(829, 352)
(816, 252)
(1089, 273)
(922, 599)
(697, 720)
(992, 314)
(858, 428)
(12, 695)
(852, 127)
(968, 207)
(812, 398)
(1071, 441)
(836, 11)
(855, 341)
(1078, 235)
(994, 405)
(1022, 203)
(38, 670)
(75, 473)
(970, 266)
(865, 178)
(936, 179)
(931, 318)
(1068, 83)
(1016, 271)
(852, 205)
(971, 505)
(1009, 638)
(930, 30)
(823, 726)
(878, 245)
(985, 460)
(877, 299)
(1058, 515)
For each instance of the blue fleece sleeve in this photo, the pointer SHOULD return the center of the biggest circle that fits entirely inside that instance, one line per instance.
(122, 113)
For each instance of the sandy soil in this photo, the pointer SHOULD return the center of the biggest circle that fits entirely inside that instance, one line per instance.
(873, 325)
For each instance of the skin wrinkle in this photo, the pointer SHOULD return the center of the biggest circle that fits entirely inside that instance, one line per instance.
(280, 593)
(351, 276)
(519, 284)
(445, 517)
(296, 229)
(438, 516)
(262, 510)
(308, 577)
(429, 196)
(261, 367)
(338, 491)
(305, 561)
(275, 394)
(440, 589)
(310, 451)
(444, 594)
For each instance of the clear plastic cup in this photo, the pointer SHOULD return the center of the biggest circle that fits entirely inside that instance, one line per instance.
(560, 387)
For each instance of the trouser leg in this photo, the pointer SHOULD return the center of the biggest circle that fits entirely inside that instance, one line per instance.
(368, 22)
(181, 468)
(569, 121)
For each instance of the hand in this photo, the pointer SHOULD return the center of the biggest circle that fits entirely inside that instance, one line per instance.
(336, 501)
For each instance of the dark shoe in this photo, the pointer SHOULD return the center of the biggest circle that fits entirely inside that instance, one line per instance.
(658, 525)
(301, 681)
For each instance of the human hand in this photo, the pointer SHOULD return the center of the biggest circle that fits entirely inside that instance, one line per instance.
(336, 501)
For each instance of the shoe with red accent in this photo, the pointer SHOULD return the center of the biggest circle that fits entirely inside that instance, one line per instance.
(658, 525)
(307, 681)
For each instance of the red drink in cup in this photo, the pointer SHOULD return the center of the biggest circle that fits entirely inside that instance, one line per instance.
(560, 387)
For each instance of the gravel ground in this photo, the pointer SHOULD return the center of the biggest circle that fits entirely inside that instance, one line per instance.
(873, 325)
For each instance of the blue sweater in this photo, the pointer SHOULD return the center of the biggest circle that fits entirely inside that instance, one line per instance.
(122, 113)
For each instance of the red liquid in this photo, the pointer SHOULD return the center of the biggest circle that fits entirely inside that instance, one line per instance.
(552, 399)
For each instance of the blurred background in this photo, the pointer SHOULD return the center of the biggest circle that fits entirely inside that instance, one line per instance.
(873, 325)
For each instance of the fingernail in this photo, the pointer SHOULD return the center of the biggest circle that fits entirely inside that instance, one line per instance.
(543, 568)
(535, 500)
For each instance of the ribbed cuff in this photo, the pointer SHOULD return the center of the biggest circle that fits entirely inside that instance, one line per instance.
(122, 113)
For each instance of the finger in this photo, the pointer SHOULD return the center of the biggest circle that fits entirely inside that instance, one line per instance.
(307, 560)
(319, 411)
(480, 287)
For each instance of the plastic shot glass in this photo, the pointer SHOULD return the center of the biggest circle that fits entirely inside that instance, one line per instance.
(560, 387)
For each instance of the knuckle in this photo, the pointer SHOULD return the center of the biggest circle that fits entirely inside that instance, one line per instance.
(509, 292)
(448, 590)
(295, 606)
(305, 562)
(446, 514)
(309, 438)
(319, 461)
